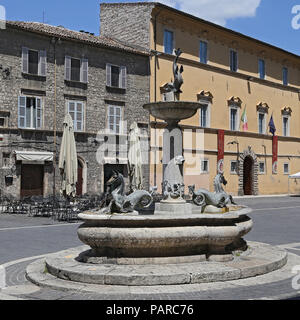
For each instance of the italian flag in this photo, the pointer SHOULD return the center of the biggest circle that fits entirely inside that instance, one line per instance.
(245, 121)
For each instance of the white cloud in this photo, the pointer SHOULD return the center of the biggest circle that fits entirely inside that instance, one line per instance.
(217, 11)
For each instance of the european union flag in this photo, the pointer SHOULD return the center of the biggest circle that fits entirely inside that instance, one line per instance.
(272, 126)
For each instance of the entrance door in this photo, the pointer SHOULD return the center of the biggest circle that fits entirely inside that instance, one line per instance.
(248, 175)
(32, 180)
(79, 179)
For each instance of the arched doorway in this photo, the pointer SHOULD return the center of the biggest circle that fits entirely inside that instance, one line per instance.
(248, 173)
(248, 176)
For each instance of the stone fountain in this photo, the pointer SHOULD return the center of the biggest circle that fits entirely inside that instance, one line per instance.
(180, 242)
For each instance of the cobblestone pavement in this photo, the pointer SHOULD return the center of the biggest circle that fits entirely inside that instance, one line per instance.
(276, 221)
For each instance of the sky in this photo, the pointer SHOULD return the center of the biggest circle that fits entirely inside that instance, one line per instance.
(267, 20)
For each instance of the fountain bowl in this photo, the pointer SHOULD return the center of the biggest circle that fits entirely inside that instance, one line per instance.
(172, 110)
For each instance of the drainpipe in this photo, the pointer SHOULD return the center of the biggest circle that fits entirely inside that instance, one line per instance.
(54, 41)
(155, 93)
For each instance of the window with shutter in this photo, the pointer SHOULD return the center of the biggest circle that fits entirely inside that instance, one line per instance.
(25, 60)
(84, 71)
(116, 76)
(115, 119)
(30, 113)
(22, 111)
(67, 68)
(39, 114)
(76, 111)
(42, 63)
(123, 78)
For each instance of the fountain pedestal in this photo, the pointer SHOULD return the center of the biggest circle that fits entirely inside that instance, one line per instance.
(172, 112)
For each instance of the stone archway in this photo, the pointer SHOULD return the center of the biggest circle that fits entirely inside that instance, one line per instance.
(248, 173)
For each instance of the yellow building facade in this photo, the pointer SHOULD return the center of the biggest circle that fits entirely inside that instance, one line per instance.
(230, 74)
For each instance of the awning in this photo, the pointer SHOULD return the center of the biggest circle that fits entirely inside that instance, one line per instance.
(34, 156)
(295, 176)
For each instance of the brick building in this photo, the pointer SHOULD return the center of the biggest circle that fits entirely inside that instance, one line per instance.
(47, 71)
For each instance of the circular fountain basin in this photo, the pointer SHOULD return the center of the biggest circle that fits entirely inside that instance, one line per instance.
(212, 237)
(172, 111)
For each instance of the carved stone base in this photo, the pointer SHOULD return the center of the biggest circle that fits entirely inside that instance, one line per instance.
(174, 207)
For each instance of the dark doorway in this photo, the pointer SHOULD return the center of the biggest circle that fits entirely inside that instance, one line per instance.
(108, 170)
(248, 176)
(79, 179)
(32, 180)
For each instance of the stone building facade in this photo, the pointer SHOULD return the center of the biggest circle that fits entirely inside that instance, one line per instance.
(237, 79)
(47, 71)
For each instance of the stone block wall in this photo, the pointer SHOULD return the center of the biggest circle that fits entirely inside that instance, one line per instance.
(127, 21)
(95, 95)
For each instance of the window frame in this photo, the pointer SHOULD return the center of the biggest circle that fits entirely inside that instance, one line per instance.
(208, 113)
(201, 168)
(83, 72)
(231, 107)
(41, 63)
(114, 124)
(288, 117)
(259, 171)
(264, 69)
(285, 82)
(37, 118)
(75, 120)
(237, 60)
(206, 42)
(288, 165)
(173, 40)
(264, 122)
(7, 166)
(237, 163)
(122, 76)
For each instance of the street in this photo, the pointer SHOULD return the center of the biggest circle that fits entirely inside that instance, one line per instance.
(23, 239)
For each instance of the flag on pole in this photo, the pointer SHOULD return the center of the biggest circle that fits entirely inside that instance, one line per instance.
(245, 120)
(272, 126)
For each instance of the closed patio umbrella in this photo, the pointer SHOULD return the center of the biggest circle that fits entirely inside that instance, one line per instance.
(68, 164)
(135, 158)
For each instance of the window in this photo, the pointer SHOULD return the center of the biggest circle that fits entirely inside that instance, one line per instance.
(115, 119)
(34, 62)
(168, 41)
(203, 52)
(261, 68)
(2, 122)
(30, 112)
(116, 76)
(204, 166)
(204, 116)
(76, 111)
(286, 126)
(285, 74)
(234, 119)
(76, 69)
(233, 167)
(261, 123)
(5, 160)
(262, 167)
(233, 60)
(286, 168)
